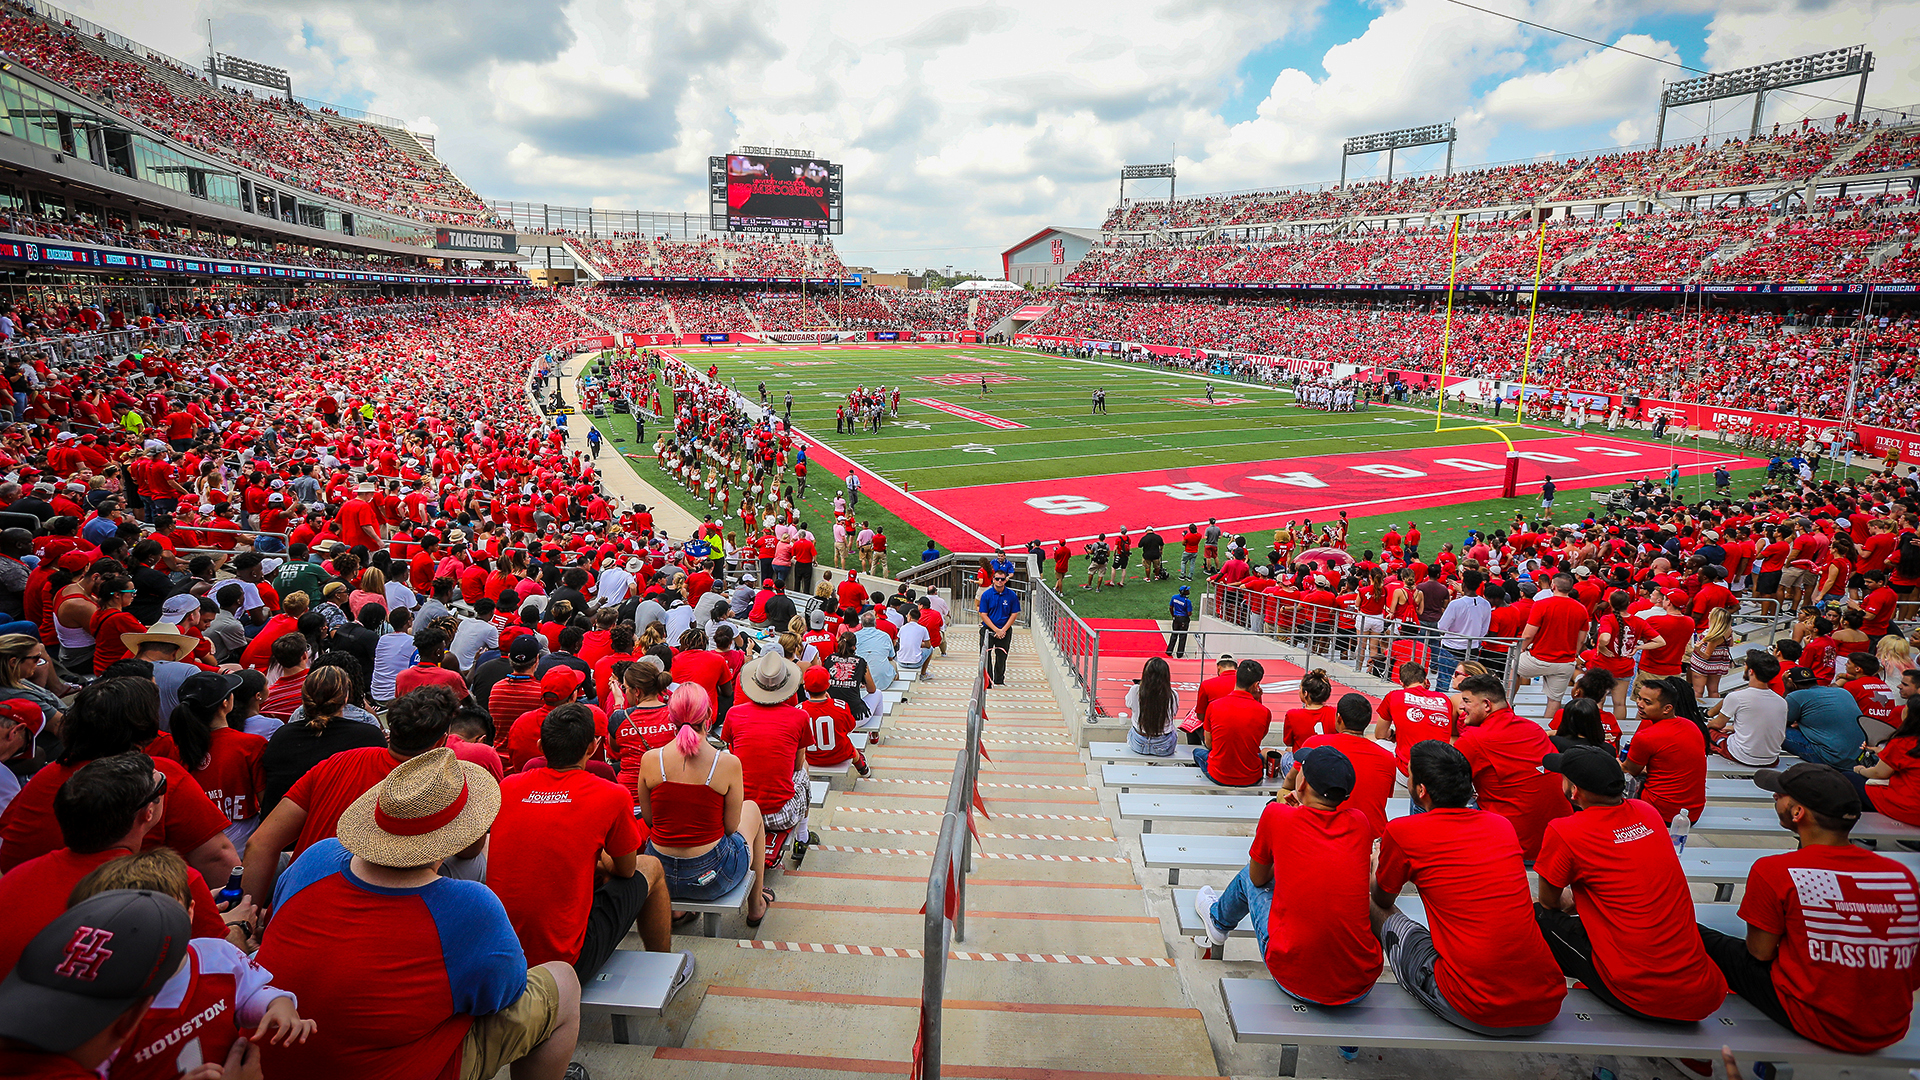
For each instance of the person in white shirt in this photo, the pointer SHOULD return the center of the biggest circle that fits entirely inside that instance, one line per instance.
(1749, 725)
(679, 618)
(1461, 626)
(913, 653)
(616, 582)
(475, 634)
(938, 602)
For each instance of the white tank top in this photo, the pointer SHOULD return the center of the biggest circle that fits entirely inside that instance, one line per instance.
(68, 636)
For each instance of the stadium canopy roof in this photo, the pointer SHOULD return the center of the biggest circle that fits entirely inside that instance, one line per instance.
(986, 286)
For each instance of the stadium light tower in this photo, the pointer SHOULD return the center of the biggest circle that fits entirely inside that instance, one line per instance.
(1819, 67)
(1390, 141)
(1149, 172)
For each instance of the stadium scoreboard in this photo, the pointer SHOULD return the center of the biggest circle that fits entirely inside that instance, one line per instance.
(775, 190)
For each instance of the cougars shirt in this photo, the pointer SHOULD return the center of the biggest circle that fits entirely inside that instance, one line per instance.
(1628, 886)
(1417, 714)
(1494, 967)
(1319, 942)
(394, 977)
(545, 846)
(198, 1014)
(1848, 929)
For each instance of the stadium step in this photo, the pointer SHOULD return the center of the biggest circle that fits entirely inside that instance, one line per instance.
(1064, 969)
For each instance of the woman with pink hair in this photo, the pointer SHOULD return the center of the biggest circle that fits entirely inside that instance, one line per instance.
(707, 835)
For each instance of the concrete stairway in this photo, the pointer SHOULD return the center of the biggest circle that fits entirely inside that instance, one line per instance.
(831, 985)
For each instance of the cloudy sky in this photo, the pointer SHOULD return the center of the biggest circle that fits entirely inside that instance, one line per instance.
(964, 127)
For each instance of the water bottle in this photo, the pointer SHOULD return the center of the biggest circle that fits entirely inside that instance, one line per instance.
(1678, 830)
(230, 893)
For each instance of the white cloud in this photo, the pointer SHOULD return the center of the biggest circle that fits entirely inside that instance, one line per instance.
(965, 126)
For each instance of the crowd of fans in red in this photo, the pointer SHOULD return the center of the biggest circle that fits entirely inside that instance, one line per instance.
(286, 141)
(1744, 358)
(726, 257)
(1795, 153)
(1833, 242)
(866, 308)
(115, 232)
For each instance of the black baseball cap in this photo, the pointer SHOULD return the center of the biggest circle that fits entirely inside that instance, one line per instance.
(87, 966)
(1327, 771)
(524, 648)
(1590, 768)
(1822, 789)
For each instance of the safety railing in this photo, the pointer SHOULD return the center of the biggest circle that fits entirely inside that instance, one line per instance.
(1373, 645)
(1076, 643)
(946, 912)
(958, 573)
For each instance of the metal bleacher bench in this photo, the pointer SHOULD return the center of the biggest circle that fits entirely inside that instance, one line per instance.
(711, 910)
(1722, 917)
(1259, 1011)
(1128, 777)
(1721, 867)
(631, 983)
(839, 777)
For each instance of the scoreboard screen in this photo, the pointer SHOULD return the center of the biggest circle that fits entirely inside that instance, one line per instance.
(767, 193)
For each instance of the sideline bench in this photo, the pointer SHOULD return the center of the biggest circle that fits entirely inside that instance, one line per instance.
(632, 983)
(1259, 1011)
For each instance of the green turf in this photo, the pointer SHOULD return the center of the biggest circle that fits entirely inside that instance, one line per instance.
(924, 449)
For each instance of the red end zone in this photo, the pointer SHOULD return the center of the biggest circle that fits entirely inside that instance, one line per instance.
(1252, 496)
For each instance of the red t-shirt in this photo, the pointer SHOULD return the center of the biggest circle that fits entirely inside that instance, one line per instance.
(35, 894)
(767, 740)
(551, 828)
(511, 697)
(326, 790)
(1417, 714)
(1876, 699)
(830, 722)
(1494, 967)
(233, 778)
(631, 733)
(420, 675)
(1674, 755)
(1299, 725)
(1319, 944)
(1373, 774)
(28, 828)
(1210, 691)
(706, 667)
(1845, 973)
(1677, 632)
(35, 1065)
(1505, 752)
(1561, 623)
(1235, 724)
(1628, 885)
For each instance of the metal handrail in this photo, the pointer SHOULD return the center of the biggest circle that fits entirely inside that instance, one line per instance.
(1077, 643)
(953, 848)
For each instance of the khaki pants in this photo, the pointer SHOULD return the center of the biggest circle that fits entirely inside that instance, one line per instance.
(499, 1040)
(1555, 677)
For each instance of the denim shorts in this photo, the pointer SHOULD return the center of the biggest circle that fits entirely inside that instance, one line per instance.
(728, 861)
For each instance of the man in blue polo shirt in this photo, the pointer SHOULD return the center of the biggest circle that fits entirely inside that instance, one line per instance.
(998, 606)
(1180, 607)
(1000, 564)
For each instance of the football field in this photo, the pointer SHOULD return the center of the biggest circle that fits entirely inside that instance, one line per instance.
(994, 443)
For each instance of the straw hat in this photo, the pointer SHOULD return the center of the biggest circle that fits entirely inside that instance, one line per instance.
(428, 808)
(164, 633)
(770, 678)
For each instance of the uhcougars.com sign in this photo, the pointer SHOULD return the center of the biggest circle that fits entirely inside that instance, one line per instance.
(493, 243)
